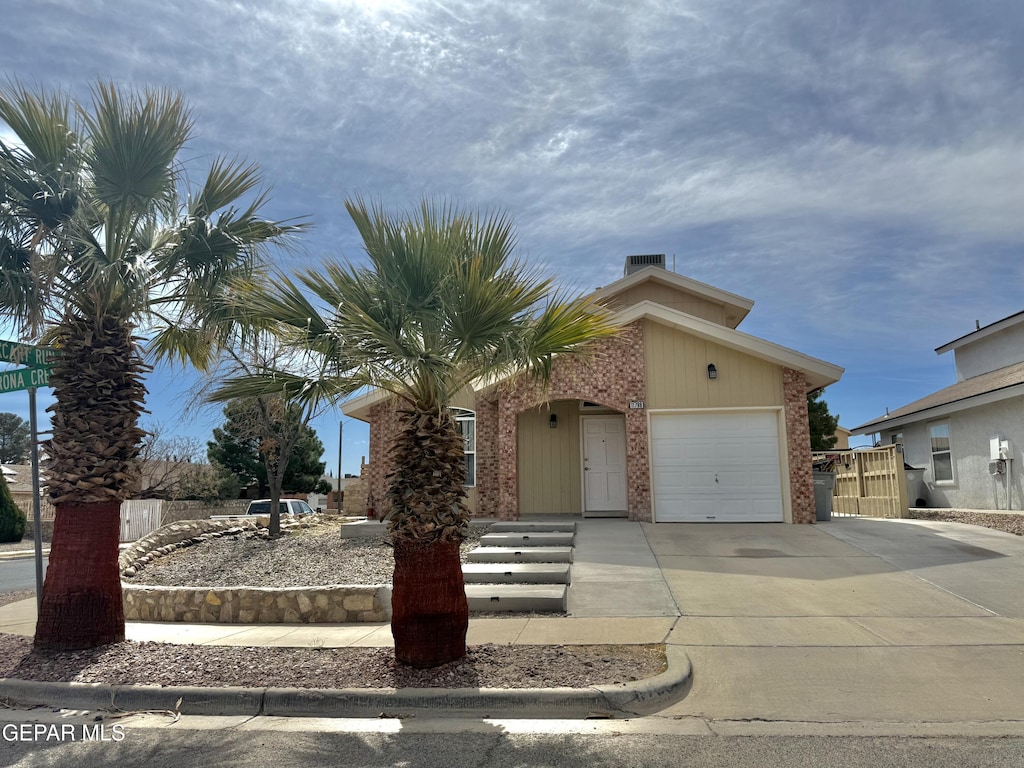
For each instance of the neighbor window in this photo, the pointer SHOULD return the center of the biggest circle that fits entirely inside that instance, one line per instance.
(465, 422)
(942, 452)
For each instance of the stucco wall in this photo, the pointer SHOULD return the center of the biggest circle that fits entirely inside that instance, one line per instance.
(970, 431)
(990, 353)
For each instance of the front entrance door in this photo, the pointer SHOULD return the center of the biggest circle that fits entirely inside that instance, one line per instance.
(604, 463)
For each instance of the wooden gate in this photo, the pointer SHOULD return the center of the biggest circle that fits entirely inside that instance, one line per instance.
(139, 517)
(870, 482)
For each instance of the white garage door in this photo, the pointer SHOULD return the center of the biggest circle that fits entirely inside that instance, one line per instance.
(716, 467)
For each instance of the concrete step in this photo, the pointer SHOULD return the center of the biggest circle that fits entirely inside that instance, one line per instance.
(515, 597)
(523, 527)
(520, 555)
(527, 539)
(516, 573)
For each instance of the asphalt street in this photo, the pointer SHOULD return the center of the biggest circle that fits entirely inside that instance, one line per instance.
(19, 573)
(481, 744)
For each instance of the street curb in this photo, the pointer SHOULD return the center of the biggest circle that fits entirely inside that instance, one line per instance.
(637, 698)
(20, 554)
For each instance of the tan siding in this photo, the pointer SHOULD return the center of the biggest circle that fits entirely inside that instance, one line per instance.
(673, 298)
(549, 460)
(677, 373)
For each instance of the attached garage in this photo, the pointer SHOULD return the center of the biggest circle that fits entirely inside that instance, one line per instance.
(716, 467)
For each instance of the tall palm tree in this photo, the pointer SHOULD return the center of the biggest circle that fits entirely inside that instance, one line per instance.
(441, 303)
(102, 246)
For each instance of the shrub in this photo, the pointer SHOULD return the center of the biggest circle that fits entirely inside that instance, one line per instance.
(12, 519)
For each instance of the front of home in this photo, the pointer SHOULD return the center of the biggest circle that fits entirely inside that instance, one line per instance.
(968, 436)
(681, 418)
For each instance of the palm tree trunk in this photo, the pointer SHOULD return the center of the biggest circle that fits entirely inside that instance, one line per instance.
(428, 519)
(430, 614)
(81, 605)
(91, 466)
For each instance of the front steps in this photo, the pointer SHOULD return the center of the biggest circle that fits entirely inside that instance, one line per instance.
(522, 567)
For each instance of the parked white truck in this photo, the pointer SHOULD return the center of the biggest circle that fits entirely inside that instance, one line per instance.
(261, 507)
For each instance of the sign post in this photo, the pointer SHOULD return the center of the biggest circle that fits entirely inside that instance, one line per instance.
(37, 374)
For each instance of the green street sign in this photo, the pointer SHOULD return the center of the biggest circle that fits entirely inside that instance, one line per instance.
(26, 354)
(24, 378)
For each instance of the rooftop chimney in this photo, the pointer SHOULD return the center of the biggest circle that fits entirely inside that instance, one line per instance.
(636, 263)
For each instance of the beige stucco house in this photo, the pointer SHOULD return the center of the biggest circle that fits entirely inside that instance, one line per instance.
(682, 418)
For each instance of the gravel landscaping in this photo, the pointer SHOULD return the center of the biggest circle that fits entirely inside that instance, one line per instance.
(315, 556)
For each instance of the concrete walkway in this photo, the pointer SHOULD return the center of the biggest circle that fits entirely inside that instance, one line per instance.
(853, 620)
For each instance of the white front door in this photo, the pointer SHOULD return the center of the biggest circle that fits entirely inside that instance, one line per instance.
(604, 463)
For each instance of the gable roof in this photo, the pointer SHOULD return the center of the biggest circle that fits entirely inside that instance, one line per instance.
(969, 393)
(736, 307)
(980, 333)
(819, 373)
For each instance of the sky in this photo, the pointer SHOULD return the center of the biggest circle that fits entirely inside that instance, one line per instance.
(853, 166)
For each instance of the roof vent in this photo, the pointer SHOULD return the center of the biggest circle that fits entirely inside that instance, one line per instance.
(636, 263)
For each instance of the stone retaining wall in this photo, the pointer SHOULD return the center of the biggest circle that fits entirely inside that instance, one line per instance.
(258, 605)
(242, 605)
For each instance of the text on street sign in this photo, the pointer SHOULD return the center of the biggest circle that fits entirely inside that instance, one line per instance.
(24, 378)
(26, 354)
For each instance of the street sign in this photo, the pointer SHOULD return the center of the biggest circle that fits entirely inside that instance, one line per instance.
(26, 354)
(24, 378)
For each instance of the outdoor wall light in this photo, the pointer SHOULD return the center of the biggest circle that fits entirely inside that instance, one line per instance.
(712, 371)
(553, 421)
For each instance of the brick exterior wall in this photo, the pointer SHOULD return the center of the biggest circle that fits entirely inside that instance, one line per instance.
(613, 376)
(383, 428)
(798, 446)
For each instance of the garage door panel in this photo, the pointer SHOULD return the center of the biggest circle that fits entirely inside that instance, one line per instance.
(716, 467)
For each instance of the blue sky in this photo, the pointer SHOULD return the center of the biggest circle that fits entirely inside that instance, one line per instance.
(853, 167)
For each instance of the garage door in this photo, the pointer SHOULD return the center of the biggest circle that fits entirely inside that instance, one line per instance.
(716, 467)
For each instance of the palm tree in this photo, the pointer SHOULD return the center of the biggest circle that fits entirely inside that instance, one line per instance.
(440, 304)
(101, 246)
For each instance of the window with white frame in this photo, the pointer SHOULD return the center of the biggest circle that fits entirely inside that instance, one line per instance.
(942, 452)
(465, 422)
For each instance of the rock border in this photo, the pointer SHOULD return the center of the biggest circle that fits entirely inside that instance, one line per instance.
(338, 603)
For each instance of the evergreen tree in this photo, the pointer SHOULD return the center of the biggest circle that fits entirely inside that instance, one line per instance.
(823, 424)
(12, 519)
(237, 446)
(15, 439)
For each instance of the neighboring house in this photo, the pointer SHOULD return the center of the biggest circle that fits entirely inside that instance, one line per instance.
(968, 436)
(842, 439)
(682, 418)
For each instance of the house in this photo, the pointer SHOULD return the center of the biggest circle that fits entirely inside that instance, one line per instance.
(968, 436)
(681, 418)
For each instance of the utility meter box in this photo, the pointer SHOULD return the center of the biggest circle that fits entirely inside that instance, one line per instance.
(998, 448)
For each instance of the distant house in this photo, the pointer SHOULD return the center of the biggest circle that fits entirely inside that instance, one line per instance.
(682, 418)
(968, 436)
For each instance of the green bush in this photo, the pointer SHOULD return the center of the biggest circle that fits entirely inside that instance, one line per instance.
(12, 519)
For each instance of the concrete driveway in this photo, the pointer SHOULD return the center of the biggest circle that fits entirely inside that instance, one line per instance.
(849, 620)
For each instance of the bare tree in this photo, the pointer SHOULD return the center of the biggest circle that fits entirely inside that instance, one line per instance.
(164, 461)
(277, 420)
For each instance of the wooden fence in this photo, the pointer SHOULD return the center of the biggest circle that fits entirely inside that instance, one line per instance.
(869, 482)
(141, 516)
